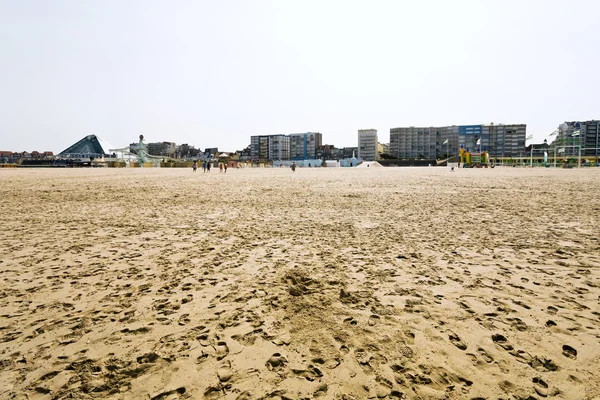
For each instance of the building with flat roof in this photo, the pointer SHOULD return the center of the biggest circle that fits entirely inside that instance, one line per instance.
(424, 142)
(584, 135)
(269, 147)
(367, 144)
(499, 140)
(167, 149)
(303, 146)
(504, 140)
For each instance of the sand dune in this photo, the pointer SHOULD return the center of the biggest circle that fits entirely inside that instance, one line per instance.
(388, 283)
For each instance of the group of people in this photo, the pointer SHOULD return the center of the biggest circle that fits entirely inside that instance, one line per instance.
(207, 165)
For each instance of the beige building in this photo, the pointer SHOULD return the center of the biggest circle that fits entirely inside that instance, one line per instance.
(382, 148)
(367, 144)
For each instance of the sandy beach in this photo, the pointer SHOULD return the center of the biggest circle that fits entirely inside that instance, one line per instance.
(390, 283)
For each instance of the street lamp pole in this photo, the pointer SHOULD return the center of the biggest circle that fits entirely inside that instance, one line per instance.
(526, 139)
(577, 133)
(531, 155)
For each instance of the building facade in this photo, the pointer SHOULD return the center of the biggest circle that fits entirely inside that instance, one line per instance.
(445, 141)
(269, 147)
(90, 146)
(330, 152)
(367, 144)
(504, 140)
(424, 142)
(303, 146)
(167, 149)
(279, 147)
(576, 135)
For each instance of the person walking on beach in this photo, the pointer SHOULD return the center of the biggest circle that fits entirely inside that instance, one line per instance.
(204, 166)
(225, 167)
(208, 166)
(195, 166)
(221, 167)
(294, 167)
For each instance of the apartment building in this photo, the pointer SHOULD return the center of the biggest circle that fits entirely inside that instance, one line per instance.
(303, 146)
(330, 152)
(269, 147)
(584, 135)
(503, 140)
(499, 140)
(424, 142)
(367, 144)
(168, 149)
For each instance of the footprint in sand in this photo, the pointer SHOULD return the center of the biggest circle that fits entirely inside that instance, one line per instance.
(466, 307)
(486, 357)
(522, 304)
(473, 358)
(310, 373)
(224, 371)
(331, 363)
(569, 352)
(502, 342)
(204, 339)
(410, 337)
(201, 358)
(374, 320)
(543, 364)
(457, 341)
(276, 362)
(550, 323)
(221, 350)
(184, 319)
(147, 358)
(406, 351)
(552, 310)
(362, 356)
(321, 390)
(171, 394)
(518, 324)
(213, 393)
(521, 356)
(540, 387)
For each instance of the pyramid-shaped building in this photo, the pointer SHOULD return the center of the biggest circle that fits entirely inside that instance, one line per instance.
(90, 146)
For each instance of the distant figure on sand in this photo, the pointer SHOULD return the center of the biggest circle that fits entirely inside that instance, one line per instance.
(204, 166)
(225, 167)
(221, 167)
(208, 166)
(294, 167)
(195, 166)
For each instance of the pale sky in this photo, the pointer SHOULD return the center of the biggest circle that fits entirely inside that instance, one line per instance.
(213, 73)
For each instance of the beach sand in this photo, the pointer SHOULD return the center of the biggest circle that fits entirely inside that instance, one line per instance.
(416, 283)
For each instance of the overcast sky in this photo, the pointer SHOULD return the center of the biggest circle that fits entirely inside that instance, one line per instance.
(213, 73)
